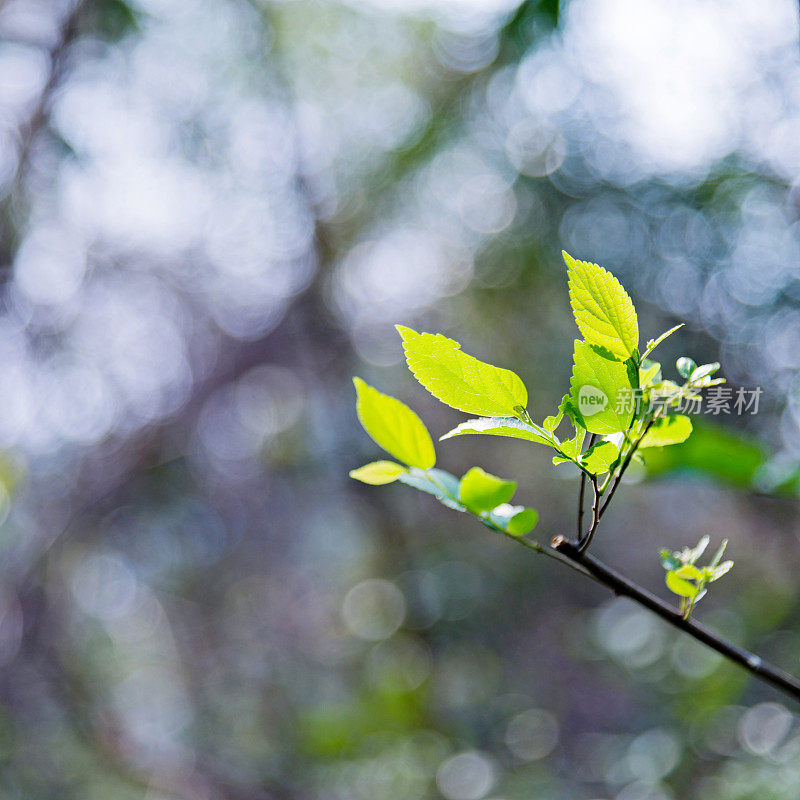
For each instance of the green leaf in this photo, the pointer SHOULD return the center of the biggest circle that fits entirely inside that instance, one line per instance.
(516, 520)
(598, 388)
(498, 426)
(632, 365)
(649, 372)
(668, 559)
(689, 572)
(718, 572)
(691, 555)
(552, 422)
(394, 427)
(377, 473)
(603, 310)
(668, 430)
(704, 371)
(571, 448)
(458, 379)
(685, 366)
(599, 457)
(442, 485)
(481, 491)
(680, 586)
(653, 343)
(718, 555)
(567, 407)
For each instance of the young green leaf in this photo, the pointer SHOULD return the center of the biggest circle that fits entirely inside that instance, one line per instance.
(571, 448)
(552, 422)
(718, 555)
(680, 586)
(689, 572)
(377, 473)
(704, 371)
(690, 555)
(603, 310)
(649, 372)
(668, 559)
(498, 426)
(668, 430)
(394, 427)
(598, 388)
(599, 457)
(480, 491)
(718, 571)
(460, 380)
(685, 366)
(442, 485)
(569, 409)
(516, 520)
(653, 343)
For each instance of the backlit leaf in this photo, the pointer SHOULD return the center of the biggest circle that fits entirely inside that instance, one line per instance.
(516, 520)
(680, 586)
(460, 380)
(442, 485)
(481, 491)
(378, 473)
(394, 426)
(603, 310)
(673, 429)
(498, 426)
(599, 457)
(601, 391)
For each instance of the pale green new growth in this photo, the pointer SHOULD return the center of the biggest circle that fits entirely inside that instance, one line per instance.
(378, 473)
(603, 310)
(653, 343)
(394, 426)
(599, 457)
(460, 380)
(500, 426)
(686, 579)
(611, 377)
(668, 430)
(481, 491)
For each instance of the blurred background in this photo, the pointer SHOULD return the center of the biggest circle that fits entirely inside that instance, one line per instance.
(212, 212)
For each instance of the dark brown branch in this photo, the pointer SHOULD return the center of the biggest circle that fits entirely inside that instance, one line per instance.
(623, 587)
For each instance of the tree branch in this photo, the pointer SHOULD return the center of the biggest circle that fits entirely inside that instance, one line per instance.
(624, 587)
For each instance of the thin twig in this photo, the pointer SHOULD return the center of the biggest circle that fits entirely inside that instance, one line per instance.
(624, 587)
(582, 490)
(584, 542)
(622, 469)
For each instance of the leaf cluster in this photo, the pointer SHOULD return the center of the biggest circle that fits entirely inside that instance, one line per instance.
(618, 406)
(686, 579)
